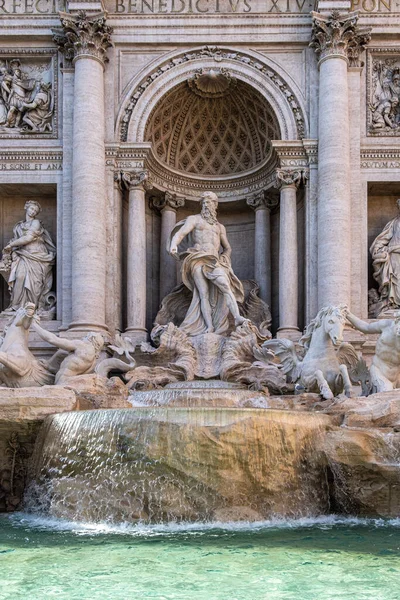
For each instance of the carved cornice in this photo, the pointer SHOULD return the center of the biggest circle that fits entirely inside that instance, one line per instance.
(218, 55)
(380, 158)
(289, 177)
(131, 180)
(338, 35)
(83, 35)
(169, 201)
(231, 188)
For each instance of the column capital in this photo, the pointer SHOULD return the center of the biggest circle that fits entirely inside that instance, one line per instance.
(169, 201)
(82, 35)
(261, 201)
(131, 180)
(338, 35)
(289, 178)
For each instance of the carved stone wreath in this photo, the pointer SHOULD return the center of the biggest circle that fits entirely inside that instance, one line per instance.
(218, 54)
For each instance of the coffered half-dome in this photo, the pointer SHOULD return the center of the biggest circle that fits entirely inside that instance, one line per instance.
(212, 125)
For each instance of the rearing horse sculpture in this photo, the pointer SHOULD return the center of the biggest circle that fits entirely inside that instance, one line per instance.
(18, 366)
(324, 368)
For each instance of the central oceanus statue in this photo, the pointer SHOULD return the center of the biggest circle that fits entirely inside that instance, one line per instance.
(327, 360)
(207, 272)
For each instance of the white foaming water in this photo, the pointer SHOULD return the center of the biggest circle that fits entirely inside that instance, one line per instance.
(148, 530)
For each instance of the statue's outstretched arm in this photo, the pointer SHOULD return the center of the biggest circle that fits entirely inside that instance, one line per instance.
(54, 340)
(363, 326)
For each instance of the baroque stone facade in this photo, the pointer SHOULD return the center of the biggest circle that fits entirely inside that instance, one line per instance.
(292, 119)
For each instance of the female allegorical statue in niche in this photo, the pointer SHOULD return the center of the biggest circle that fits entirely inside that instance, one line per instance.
(28, 260)
(385, 251)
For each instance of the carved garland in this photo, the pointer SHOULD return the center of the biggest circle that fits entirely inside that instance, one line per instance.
(218, 55)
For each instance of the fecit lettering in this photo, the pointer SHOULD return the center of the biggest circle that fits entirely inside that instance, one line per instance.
(31, 7)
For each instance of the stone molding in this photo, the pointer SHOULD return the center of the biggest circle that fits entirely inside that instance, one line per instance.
(83, 36)
(380, 158)
(218, 54)
(289, 178)
(131, 180)
(168, 201)
(338, 35)
(231, 188)
(34, 160)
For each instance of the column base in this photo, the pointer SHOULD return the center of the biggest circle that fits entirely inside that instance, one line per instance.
(80, 329)
(289, 333)
(137, 335)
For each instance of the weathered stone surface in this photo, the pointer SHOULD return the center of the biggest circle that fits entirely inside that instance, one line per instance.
(92, 392)
(34, 404)
(366, 471)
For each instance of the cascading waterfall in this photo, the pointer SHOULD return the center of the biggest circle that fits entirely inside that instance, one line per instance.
(171, 464)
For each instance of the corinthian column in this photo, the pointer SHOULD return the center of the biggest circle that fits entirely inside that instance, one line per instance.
(168, 207)
(262, 246)
(85, 40)
(287, 181)
(333, 38)
(136, 182)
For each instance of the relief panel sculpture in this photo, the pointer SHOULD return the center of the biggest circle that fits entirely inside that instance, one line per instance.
(27, 95)
(384, 95)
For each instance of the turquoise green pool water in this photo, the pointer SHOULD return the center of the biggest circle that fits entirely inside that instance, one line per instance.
(327, 559)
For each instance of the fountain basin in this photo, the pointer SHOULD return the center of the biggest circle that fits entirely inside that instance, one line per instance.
(172, 464)
(201, 393)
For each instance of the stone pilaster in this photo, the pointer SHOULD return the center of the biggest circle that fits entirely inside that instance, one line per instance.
(262, 247)
(168, 205)
(84, 41)
(336, 39)
(287, 181)
(136, 182)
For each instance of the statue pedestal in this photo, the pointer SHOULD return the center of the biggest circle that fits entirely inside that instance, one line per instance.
(209, 347)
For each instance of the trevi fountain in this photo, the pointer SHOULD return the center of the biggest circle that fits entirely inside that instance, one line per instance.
(200, 299)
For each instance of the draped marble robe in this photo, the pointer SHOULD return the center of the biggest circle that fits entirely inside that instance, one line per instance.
(31, 275)
(385, 251)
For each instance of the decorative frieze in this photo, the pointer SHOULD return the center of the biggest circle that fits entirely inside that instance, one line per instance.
(380, 158)
(338, 35)
(28, 93)
(383, 92)
(83, 35)
(25, 160)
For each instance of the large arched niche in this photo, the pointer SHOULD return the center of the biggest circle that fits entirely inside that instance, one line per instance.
(259, 105)
(212, 126)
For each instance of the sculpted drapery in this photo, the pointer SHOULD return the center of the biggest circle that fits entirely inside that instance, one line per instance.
(385, 252)
(32, 255)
